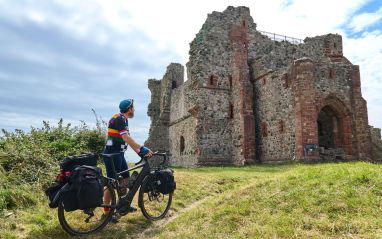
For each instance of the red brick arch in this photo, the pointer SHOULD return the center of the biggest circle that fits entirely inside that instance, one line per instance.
(343, 133)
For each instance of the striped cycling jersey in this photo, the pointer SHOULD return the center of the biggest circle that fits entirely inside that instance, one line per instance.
(118, 126)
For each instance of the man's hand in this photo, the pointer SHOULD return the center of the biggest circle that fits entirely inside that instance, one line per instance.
(145, 152)
(150, 154)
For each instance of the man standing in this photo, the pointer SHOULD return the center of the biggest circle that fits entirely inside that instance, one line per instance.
(118, 139)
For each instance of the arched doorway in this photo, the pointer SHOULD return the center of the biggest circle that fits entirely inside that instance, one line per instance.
(329, 135)
(334, 128)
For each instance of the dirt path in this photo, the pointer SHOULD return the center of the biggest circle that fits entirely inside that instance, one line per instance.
(148, 233)
(172, 216)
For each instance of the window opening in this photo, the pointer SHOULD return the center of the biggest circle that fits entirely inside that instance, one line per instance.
(181, 144)
(173, 84)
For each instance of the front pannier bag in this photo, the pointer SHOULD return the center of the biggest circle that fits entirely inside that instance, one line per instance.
(86, 189)
(166, 181)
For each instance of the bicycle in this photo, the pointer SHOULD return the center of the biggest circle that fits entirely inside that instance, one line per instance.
(153, 204)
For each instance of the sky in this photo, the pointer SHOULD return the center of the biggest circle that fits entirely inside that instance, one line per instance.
(63, 58)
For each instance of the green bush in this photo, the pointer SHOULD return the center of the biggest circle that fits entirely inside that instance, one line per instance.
(34, 157)
(30, 160)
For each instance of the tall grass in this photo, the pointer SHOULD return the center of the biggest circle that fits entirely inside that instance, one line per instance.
(333, 200)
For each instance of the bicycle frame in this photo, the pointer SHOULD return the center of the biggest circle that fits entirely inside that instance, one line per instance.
(141, 176)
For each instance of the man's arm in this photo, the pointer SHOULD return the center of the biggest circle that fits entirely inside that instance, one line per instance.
(134, 145)
(131, 142)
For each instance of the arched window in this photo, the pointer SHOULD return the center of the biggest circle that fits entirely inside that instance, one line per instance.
(181, 144)
(230, 81)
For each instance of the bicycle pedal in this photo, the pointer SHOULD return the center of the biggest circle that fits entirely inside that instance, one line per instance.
(115, 218)
(125, 210)
(132, 209)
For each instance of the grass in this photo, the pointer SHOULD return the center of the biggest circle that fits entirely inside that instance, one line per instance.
(334, 200)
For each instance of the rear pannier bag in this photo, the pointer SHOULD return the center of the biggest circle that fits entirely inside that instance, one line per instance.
(69, 163)
(51, 192)
(69, 199)
(166, 181)
(86, 189)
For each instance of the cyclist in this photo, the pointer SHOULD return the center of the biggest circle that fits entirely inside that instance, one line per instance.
(118, 139)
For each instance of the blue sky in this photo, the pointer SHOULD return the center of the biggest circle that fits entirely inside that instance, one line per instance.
(61, 58)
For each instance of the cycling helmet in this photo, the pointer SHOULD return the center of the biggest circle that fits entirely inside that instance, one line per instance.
(126, 104)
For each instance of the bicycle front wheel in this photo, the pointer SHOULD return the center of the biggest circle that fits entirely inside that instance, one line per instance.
(154, 205)
(84, 222)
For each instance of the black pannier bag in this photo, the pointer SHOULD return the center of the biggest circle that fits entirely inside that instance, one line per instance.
(166, 181)
(69, 163)
(86, 189)
(69, 199)
(51, 192)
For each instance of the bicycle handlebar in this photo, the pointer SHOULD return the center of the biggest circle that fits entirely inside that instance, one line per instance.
(164, 155)
(155, 153)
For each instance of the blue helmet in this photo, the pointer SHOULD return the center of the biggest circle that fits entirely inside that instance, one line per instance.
(126, 104)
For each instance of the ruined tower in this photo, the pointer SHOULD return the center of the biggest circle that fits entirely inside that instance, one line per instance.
(249, 98)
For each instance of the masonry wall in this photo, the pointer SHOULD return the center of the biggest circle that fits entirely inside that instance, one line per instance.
(218, 66)
(182, 128)
(274, 109)
(183, 142)
(214, 133)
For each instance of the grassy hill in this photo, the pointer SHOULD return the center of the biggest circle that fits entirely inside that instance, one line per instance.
(334, 200)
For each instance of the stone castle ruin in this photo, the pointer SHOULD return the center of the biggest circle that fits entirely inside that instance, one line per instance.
(249, 98)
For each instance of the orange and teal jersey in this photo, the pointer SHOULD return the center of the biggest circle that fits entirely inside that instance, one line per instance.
(118, 126)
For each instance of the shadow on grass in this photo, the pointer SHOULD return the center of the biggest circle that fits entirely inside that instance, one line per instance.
(261, 168)
(125, 228)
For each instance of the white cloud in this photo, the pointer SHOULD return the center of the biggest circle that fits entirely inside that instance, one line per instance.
(362, 21)
(143, 32)
(366, 51)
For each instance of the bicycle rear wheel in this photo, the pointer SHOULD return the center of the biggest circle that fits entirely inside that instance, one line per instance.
(84, 222)
(154, 205)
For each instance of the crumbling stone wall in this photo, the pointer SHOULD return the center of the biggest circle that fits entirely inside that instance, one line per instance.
(376, 143)
(250, 99)
(218, 66)
(183, 140)
(159, 108)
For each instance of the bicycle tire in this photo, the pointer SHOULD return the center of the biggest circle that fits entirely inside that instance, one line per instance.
(148, 211)
(72, 222)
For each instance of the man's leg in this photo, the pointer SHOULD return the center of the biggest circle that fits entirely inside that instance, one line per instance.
(110, 174)
(126, 177)
(123, 167)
